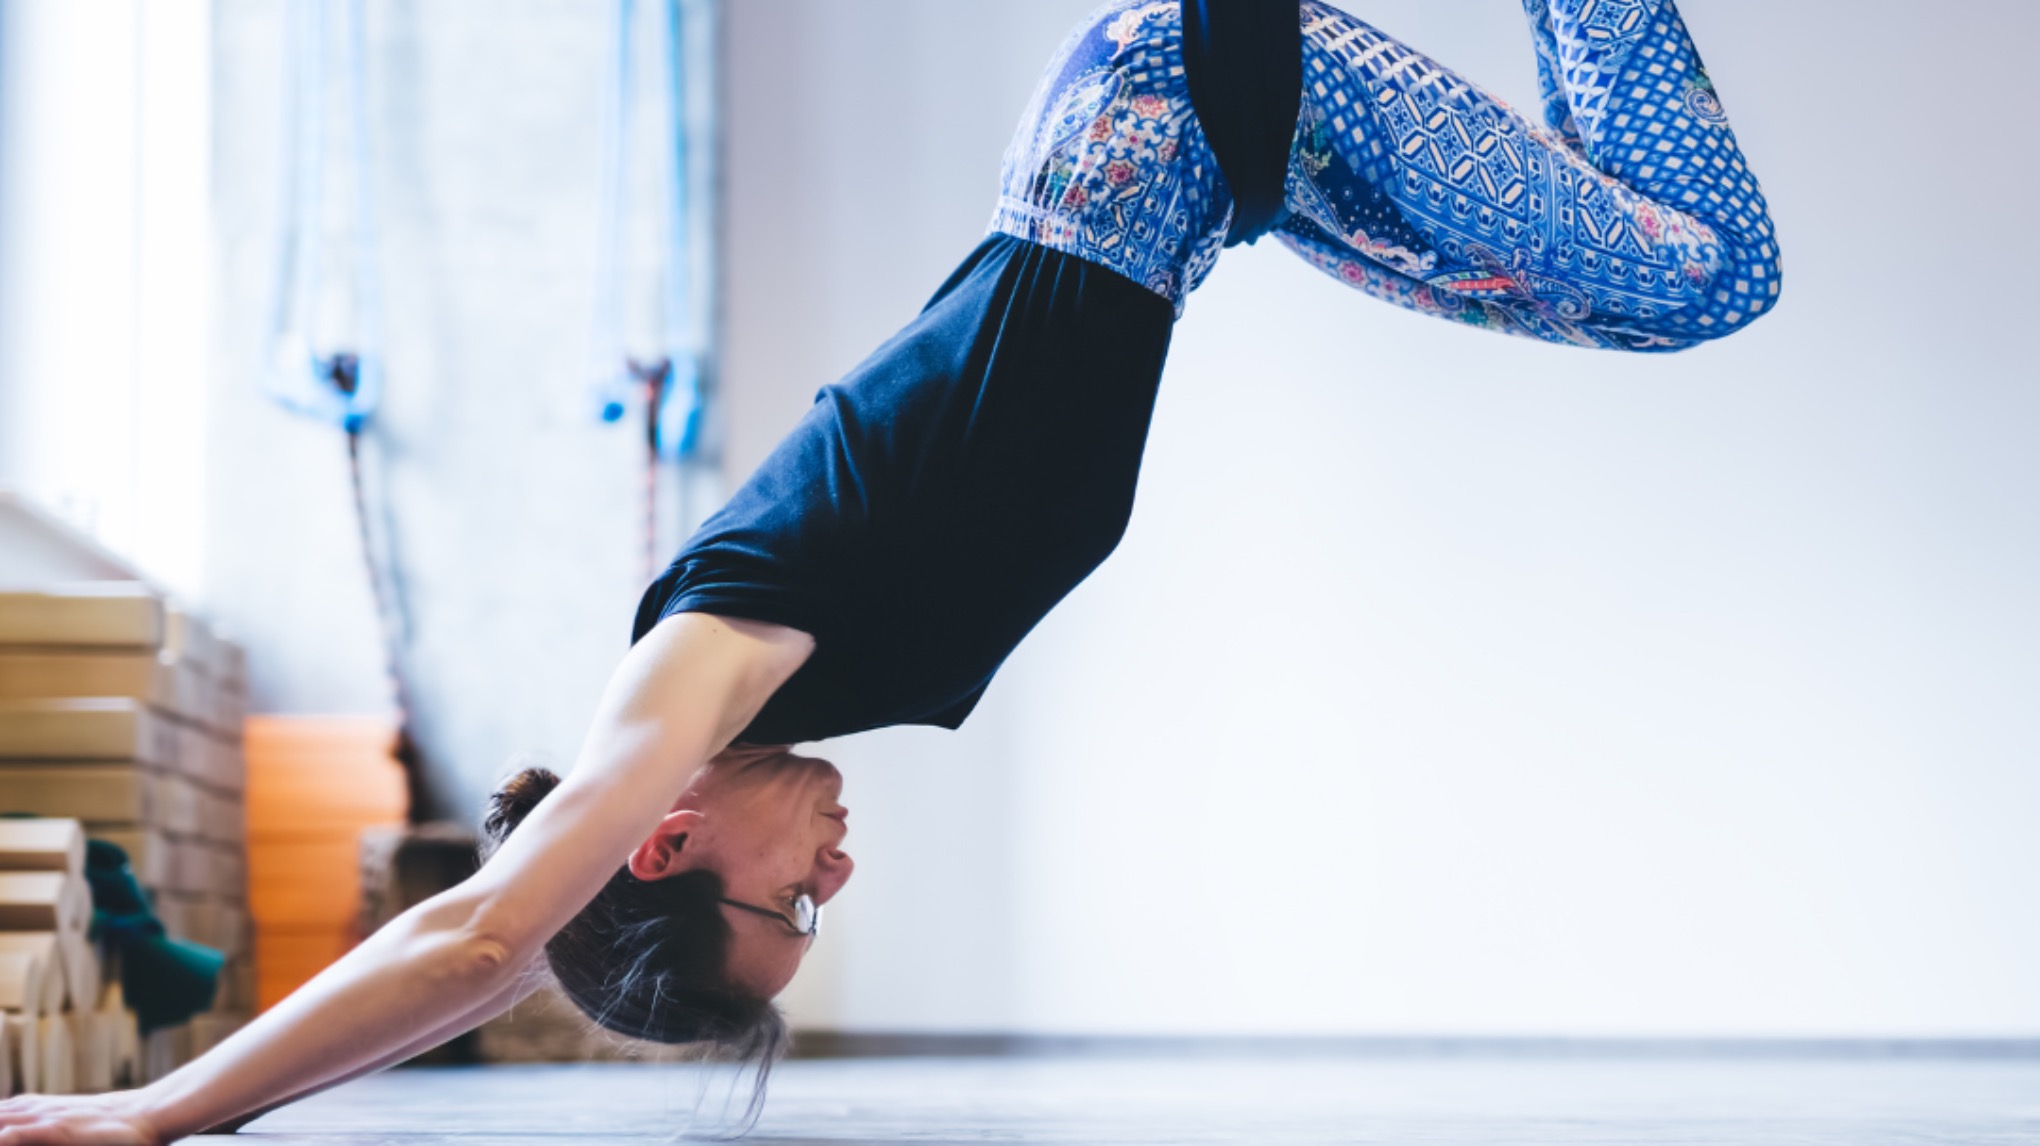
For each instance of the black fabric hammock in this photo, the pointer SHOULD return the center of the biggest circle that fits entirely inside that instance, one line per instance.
(1244, 63)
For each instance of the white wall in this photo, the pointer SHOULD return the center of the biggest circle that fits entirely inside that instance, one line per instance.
(104, 270)
(1448, 683)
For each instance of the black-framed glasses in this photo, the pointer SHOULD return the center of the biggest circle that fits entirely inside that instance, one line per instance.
(805, 921)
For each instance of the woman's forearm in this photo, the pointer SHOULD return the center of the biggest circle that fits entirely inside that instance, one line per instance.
(417, 979)
(524, 986)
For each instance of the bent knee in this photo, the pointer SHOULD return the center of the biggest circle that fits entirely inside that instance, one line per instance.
(1744, 290)
(1759, 278)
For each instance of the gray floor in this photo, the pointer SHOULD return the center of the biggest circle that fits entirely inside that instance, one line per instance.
(1403, 1100)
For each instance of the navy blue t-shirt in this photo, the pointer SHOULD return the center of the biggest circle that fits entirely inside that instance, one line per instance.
(935, 504)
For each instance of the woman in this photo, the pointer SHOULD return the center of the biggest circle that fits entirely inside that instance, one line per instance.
(935, 504)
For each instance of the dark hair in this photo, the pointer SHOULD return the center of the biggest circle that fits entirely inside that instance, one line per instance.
(647, 959)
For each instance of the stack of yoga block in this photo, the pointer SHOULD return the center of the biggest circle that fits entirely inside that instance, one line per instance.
(67, 1029)
(124, 713)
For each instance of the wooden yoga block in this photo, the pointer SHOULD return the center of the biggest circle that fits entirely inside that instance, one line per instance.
(351, 736)
(175, 912)
(113, 728)
(219, 817)
(180, 806)
(107, 615)
(164, 1050)
(197, 696)
(184, 865)
(226, 823)
(44, 901)
(31, 972)
(310, 882)
(226, 768)
(84, 979)
(23, 1035)
(142, 677)
(123, 1033)
(239, 991)
(41, 971)
(232, 670)
(231, 712)
(190, 868)
(219, 924)
(314, 785)
(105, 1048)
(108, 793)
(212, 1028)
(212, 761)
(404, 867)
(194, 752)
(189, 640)
(59, 1061)
(285, 805)
(91, 1052)
(230, 766)
(229, 871)
(25, 982)
(195, 699)
(42, 845)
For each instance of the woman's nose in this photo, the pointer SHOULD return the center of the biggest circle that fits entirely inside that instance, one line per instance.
(832, 870)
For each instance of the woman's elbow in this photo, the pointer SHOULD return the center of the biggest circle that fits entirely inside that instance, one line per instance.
(485, 958)
(467, 942)
(468, 963)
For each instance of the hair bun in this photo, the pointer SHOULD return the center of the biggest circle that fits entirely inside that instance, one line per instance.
(514, 800)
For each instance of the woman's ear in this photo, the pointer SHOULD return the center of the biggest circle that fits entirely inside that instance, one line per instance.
(664, 852)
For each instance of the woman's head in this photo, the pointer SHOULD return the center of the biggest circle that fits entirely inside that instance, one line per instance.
(771, 825)
(661, 953)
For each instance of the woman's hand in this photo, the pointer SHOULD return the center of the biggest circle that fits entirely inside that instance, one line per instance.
(116, 1119)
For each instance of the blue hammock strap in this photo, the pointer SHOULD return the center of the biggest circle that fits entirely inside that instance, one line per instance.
(670, 386)
(678, 421)
(343, 387)
(1243, 60)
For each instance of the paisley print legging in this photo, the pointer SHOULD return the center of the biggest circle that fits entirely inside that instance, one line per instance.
(1628, 220)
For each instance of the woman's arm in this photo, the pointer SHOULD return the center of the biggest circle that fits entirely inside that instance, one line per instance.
(502, 1001)
(682, 694)
(134, 1118)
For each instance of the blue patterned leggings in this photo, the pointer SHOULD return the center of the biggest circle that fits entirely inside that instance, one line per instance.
(1630, 221)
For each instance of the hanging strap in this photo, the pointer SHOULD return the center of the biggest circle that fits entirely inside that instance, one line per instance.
(342, 386)
(677, 420)
(611, 389)
(675, 407)
(1244, 63)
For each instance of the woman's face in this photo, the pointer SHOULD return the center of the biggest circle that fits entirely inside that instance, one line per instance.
(772, 825)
